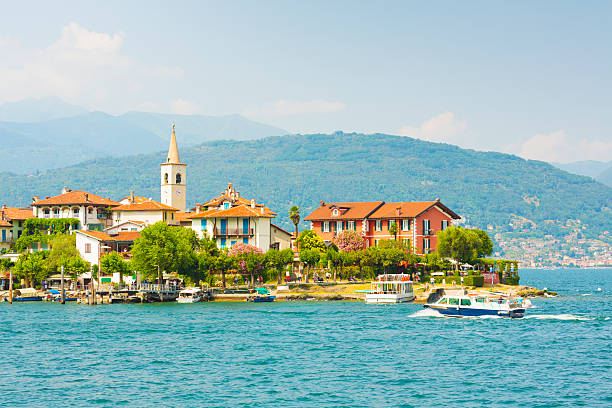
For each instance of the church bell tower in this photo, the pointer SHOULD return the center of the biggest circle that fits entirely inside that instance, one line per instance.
(174, 178)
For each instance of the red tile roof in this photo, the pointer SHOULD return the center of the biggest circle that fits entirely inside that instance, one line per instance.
(136, 199)
(347, 211)
(146, 206)
(5, 223)
(16, 213)
(76, 197)
(409, 210)
(236, 211)
(121, 236)
(183, 216)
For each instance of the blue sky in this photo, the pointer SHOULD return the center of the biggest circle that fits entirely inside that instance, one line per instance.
(531, 78)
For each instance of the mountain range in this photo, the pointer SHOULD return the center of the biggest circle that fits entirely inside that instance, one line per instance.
(490, 190)
(599, 170)
(42, 134)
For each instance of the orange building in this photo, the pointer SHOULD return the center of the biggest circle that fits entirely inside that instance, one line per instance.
(417, 222)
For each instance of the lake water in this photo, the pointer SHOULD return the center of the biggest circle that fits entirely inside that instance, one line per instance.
(312, 353)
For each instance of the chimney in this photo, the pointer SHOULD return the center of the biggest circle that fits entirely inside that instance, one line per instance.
(198, 207)
(322, 203)
(66, 190)
(47, 197)
(263, 210)
(35, 199)
(398, 211)
(131, 196)
(86, 197)
(252, 203)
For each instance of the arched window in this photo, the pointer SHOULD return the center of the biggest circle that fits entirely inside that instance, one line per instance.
(75, 212)
(178, 178)
(166, 178)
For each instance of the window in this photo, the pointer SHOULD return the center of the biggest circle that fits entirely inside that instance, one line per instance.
(335, 212)
(350, 225)
(245, 240)
(405, 225)
(88, 248)
(165, 216)
(378, 225)
(453, 301)
(90, 210)
(20, 224)
(444, 225)
(406, 241)
(426, 246)
(172, 216)
(178, 178)
(226, 205)
(166, 178)
(426, 226)
(75, 212)
(223, 242)
(203, 225)
(466, 302)
(376, 241)
(444, 301)
(325, 226)
(339, 226)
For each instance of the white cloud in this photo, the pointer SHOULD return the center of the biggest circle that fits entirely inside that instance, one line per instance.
(557, 147)
(183, 107)
(287, 107)
(441, 128)
(82, 67)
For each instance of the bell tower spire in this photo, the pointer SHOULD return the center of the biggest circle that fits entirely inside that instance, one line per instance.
(174, 177)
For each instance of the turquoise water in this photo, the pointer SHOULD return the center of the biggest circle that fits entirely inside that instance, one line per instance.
(312, 353)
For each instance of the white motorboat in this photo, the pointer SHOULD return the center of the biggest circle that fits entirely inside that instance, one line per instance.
(190, 295)
(466, 305)
(391, 288)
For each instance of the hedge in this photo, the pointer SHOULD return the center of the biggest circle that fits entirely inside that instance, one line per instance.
(474, 280)
(512, 280)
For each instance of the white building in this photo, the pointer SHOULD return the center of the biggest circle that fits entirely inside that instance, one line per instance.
(231, 219)
(148, 213)
(93, 244)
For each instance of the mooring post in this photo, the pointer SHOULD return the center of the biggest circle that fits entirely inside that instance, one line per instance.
(63, 292)
(10, 286)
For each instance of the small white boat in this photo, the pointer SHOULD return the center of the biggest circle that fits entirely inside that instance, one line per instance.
(465, 305)
(391, 288)
(190, 295)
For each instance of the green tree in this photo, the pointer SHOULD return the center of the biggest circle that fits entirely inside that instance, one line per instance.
(65, 253)
(162, 248)
(294, 216)
(223, 262)
(278, 260)
(31, 267)
(393, 229)
(463, 245)
(310, 258)
(309, 240)
(113, 262)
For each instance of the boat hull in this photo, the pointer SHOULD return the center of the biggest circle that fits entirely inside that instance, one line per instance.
(261, 299)
(189, 300)
(28, 299)
(455, 311)
(388, 298)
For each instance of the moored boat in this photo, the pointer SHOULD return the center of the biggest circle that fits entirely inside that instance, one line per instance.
(391, 288)
(261, 295)
(479, 305)
(190, 295)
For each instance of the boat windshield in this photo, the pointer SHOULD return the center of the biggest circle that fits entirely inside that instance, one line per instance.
(466, 302)
(453, 301)
(443, 301)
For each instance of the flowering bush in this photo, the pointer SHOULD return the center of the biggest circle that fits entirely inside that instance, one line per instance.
(249, 258)
(349, 241)
(243, 249)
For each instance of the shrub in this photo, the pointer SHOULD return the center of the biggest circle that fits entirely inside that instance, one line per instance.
(512, 280)
(474, 280)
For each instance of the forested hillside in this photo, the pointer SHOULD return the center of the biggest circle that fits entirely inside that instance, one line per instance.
(487, 188)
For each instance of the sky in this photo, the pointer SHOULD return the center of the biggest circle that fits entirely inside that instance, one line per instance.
(523, 77)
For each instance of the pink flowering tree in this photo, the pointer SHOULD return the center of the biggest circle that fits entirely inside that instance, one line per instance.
(249, 259)
(349, 241)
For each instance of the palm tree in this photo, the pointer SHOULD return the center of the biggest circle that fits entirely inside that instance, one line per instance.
(294, 216)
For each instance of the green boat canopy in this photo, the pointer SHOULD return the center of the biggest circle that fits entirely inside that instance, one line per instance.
(262, 291)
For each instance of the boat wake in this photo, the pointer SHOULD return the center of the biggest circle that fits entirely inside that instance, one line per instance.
(559, 317)
(426, 313)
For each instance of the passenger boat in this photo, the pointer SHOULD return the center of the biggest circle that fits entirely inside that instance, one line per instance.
(479, 305)
(261, 295)
(26, 295)
(190, 295)
(391, 288)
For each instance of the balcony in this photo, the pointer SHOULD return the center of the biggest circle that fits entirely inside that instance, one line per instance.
(233, 232)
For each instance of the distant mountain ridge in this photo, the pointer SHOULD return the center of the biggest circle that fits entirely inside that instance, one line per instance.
(33, 146)
(487, 188)
(600, 171)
